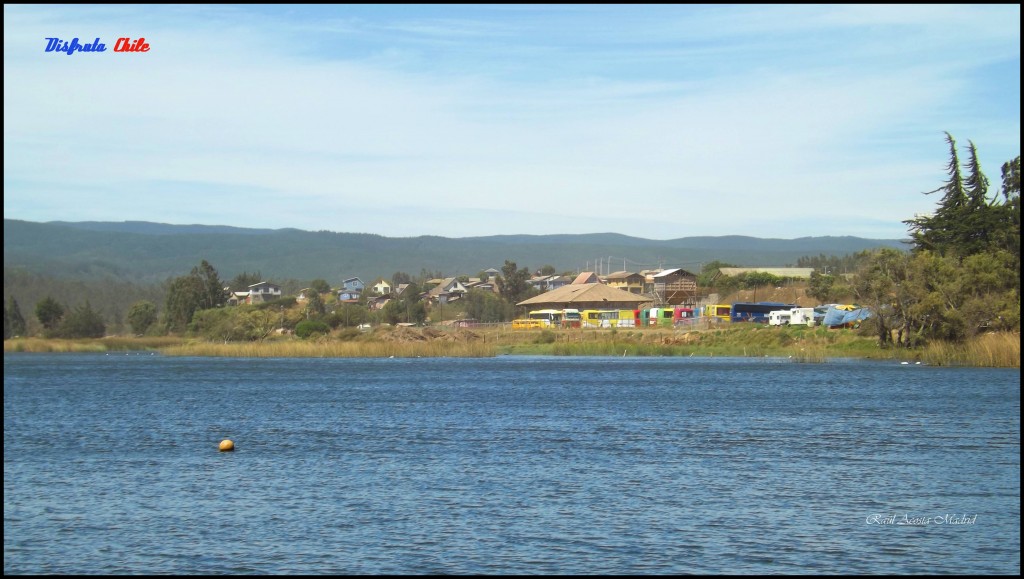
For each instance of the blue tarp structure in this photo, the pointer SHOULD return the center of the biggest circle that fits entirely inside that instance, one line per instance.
(840, 317)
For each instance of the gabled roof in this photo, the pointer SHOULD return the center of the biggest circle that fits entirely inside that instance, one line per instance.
(586, 292)
(447, 285)
(622, 275)
(586, 277)
(668, 272)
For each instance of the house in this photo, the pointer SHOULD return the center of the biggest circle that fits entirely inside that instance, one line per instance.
(349, 297)
(492, 274)
(353, 284)
(263, 291)
(626, 281)
(450, 289)
(676, 287)
(351, 289)
(540, 282)
(549, 282)
(381, 287)
(478, 284)
(587, 296)
(236, 298)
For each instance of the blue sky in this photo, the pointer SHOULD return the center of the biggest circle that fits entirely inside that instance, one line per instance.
(652, 121)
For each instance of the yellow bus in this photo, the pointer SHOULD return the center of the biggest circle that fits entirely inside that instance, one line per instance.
(526, 324)
(608, 318)
(720, 311)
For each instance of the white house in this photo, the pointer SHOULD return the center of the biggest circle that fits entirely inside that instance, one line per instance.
(381, 287)
(263, 291)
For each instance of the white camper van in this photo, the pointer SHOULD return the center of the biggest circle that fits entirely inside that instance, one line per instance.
(779, 317)
(802, 317)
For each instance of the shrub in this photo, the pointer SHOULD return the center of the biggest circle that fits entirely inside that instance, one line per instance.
(545, 337)
(307, 328)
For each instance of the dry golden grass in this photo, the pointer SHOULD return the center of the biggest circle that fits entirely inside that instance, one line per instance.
(799, 344)
(334, 349)
(39, 345)
(42, 345)
(992, 350)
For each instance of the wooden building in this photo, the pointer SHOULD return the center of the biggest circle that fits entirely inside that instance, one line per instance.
(586, 296)
(675, 287)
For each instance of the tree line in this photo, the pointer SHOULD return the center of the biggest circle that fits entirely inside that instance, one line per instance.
(960, 277)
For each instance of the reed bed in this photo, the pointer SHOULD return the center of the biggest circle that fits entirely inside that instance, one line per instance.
(85, 345)
(802, 345)
(334, 349)
(43, 345)
(992, 350)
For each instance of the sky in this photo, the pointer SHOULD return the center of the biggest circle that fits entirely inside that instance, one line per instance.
(654, 121)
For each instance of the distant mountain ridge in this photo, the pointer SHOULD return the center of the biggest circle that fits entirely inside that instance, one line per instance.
(146, 252)
(151, 228)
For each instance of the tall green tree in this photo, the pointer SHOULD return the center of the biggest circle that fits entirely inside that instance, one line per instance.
(16, 320)
(513, 283)
(936, 232)
(183, 300)
(141, 316)
(199, 290)
(1008, 235)
(49, 313)
(820, 287)
(314, 306)
(881, 286)
(320, 286)
(967, 221)
(83, 322)
(485, 306)
(980, 216)
(213, 295)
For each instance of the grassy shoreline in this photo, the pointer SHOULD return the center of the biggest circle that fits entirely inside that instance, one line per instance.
(799, 344)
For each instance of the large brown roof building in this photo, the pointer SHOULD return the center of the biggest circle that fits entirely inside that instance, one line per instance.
(587, 296)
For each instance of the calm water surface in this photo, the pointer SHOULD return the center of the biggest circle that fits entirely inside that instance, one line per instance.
(507, 465)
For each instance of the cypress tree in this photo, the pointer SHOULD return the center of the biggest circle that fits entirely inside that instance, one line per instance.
(936, 232)
(17, 321)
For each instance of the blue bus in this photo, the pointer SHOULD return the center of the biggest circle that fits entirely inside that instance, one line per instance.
(756, 311)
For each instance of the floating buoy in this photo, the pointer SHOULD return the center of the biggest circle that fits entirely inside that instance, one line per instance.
(226, 445)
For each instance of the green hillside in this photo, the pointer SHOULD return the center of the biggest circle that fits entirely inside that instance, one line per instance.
(152, 252)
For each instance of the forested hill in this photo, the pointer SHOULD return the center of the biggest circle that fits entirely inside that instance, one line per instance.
(143, 252)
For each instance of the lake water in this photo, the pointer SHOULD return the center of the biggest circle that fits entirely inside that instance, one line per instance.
(537, 465)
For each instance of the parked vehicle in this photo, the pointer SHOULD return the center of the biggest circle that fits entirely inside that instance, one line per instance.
(756, 311)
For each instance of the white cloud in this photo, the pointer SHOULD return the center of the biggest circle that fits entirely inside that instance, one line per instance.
(740, 144)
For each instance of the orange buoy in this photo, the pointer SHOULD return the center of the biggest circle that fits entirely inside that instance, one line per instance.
(227, 446)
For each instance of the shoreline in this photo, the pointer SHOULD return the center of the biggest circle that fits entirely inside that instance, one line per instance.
(799, 344)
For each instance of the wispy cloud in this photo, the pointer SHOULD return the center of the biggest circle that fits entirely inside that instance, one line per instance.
(653, 121)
